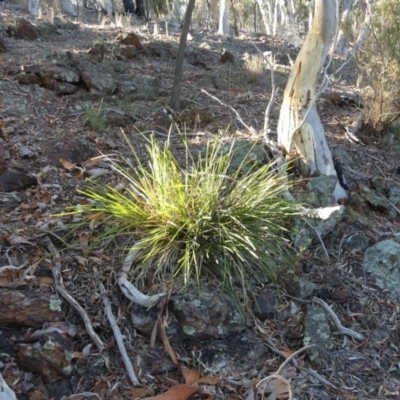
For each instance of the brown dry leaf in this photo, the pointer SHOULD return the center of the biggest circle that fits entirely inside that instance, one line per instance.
(138, 393)
(209, 380)
(281, 390)
(46, 198)
(181, 392)
(100, 386)
(91, 162)
(44, 280)
(191, 375)
(167, 343)
(68, 165)
(287, 352)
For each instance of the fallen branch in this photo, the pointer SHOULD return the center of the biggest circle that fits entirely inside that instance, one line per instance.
(58, 281)
(133, 294)
(318, 236)
(118, 337)
(341, 328)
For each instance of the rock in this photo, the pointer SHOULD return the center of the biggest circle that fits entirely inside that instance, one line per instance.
(240, 351)
(299, 287)
(3, 48)
(208, 314)
(132, 40)
(322, 188)
(394, 195)
(317, 331)
(98, 78)
(46, 29)
(73, 151)
(376, 201)
(50, 357)
(264, 306)
(65, 88)
(382, 260)
(98, 52)
(29, 79)
(357, 242)
(319, 195)
(197, 59)
(67, 75)
(379, 184)
(140, 88)
(227, 57)
(23, 30)
(14, 178)
(144, 321)
(128, 52)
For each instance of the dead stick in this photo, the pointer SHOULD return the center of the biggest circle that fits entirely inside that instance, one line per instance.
(119, 338)
(58, 281)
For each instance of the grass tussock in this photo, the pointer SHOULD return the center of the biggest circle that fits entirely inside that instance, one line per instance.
(199, 220)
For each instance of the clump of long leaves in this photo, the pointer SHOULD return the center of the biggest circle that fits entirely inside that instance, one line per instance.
(199, 220)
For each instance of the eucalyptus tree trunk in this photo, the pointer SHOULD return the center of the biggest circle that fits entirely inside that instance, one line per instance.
(223, 27)
(343, 39)
(276, 17)
(34, 7)
(176, 89)
(307, 140)
(265, 14)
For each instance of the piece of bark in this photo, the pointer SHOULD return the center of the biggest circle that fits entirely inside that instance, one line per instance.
(23, 308)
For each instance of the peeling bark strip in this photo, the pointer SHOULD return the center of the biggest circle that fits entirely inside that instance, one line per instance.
(309, 141)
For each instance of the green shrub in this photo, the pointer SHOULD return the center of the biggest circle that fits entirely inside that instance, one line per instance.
(199, 220)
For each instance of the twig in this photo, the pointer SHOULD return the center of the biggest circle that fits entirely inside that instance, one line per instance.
(282, 379)
(362, 176)
(58, 281)
(128, 289)
(296, 353)
(316, 375)
(274, 90)
(118, 337)
(277, 374)
(240, 119)
(393, 205)
(318, 236)
(341, 328)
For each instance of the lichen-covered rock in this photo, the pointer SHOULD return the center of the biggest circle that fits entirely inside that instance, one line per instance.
(382, 260)
(208, 314)
(50, 357)
(317, 331)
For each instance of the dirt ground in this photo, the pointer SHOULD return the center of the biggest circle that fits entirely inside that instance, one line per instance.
(52, 131)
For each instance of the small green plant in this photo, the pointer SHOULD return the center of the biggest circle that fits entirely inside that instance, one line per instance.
(199, 220)
(94, 116)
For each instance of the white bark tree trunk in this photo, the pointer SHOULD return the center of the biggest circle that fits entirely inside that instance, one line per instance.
(223, 27)
(72, 7)
(341, 47)
(263, 6)
(34, 7)
(309, 142)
